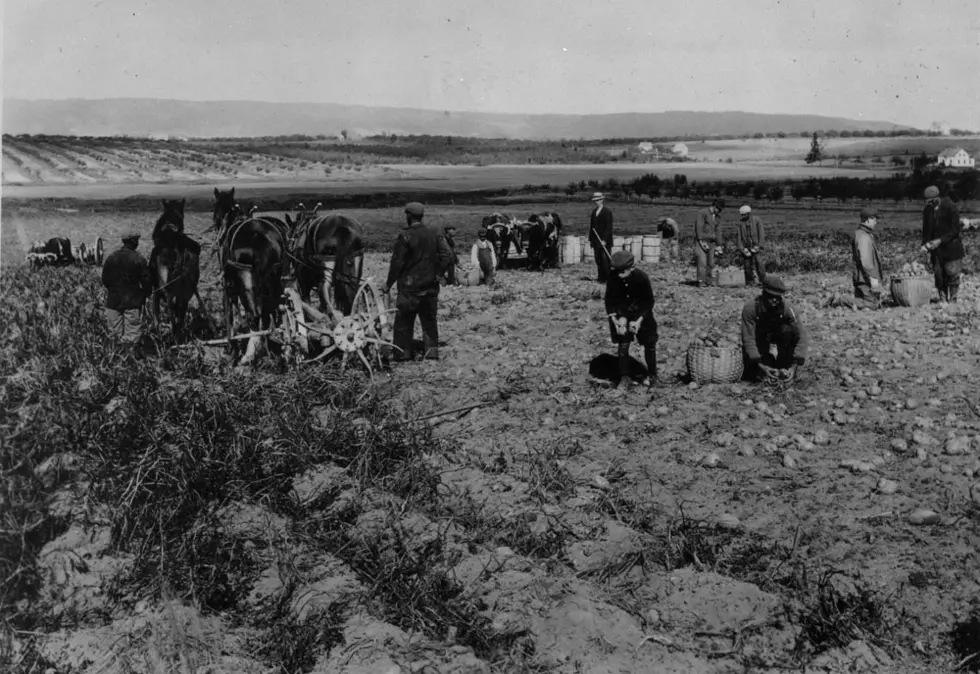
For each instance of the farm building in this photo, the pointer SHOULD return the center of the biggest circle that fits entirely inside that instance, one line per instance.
(680, 149)
(645, 147)
(955, 157)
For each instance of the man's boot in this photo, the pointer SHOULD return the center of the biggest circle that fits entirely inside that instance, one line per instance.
(952, 292)
(650, 356)
(624, 366)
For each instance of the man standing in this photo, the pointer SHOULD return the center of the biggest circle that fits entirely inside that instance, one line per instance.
(941, 228)
(751, 240)
(867, 275)
(419, 257)
(708, 241)
(669, 231)
(769, 321)
(126, 276)
(483, 257)
(449, 233)
(629, 306)
(601, 235)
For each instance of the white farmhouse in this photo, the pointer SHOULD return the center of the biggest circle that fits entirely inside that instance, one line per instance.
(680, 149)
(955, 157)
(645, 147)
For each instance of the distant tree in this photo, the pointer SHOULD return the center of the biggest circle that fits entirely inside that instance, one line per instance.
(804, 134)
(759, 191)
(798, 191)
(816, 150)
(898, 161)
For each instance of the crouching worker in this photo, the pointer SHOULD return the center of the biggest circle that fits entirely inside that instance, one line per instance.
(484, 258)
(767, 321)
(629, 305)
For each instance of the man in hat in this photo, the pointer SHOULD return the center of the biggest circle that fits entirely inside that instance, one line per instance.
(708, 241)
(867, 276)
(601, 235)
(751, 240)
(629, 306)
(483, 257)
(419, 257)
(126, 276)
(669, 230)
(449, 234)
(767, 321)
(941, 228)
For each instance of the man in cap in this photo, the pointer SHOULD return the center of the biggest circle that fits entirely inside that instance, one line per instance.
(420, 256)
(484, 257)
(767, 321)
(629, 306)
(751, 241)
(941, 228)
(601, 235)
(708, 241)
(126, 276)
(669, 229)
(867, 276)
(449, 234)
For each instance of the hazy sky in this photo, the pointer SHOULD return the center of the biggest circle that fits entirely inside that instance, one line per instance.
(909, 62)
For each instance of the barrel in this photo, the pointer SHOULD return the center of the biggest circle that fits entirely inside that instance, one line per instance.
(650, 249)
(585, 248)
(619, 243)
(636, 247)
(571, 252)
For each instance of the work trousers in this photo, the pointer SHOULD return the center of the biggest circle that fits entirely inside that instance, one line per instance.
(753, 266)
(407, 308)
(705, 264)
(602, 261)
(947, 276)
(123, 324)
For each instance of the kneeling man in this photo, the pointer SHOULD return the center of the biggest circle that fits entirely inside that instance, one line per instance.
(768, 321)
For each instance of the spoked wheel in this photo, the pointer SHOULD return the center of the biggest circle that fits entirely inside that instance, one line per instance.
(371, 307)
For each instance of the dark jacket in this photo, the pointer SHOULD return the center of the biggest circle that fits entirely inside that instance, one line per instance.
(707, 228)
(867, 264)
(758, 325)
(601, 225)
(751, 233)
(127, 276)
(631, 297)
(943, 223)
(420, 256)
(668, 228)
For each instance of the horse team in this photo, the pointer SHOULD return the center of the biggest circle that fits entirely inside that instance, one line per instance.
(540, 234)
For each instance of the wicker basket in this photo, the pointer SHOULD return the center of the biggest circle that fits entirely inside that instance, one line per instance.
(714, 364)
(731, 279)
(912, 291)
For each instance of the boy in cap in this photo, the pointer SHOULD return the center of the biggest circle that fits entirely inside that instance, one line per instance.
(751, 240)
(419, 257)
(483, 257)
(669, 229)
(768, 321)
(708, 241)
(601, 235)
(867, 276)
(126, 276)
(629, 306)
(941, 228)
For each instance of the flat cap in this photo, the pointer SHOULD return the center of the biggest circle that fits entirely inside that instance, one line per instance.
(773, 285)
(718, 203)
(415, 208)
(130, 235)
(622, 259)
(868, 212)
(932, 192)
(745, 209)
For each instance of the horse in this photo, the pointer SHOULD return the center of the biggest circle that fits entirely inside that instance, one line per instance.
(174, 266)
(328, 252)
(253, 252)
(543, 234)
(501, 232)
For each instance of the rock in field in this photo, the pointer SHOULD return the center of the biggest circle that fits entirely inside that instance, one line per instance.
(924, 516)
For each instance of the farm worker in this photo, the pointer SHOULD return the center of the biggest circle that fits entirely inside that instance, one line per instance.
(941, 227)
(449, 233)
(601, 235)
(420, 256)
(768, 320)
(708, 241)
(629, 306)
(867, 275)
(751, 240)
(669, 230)
(483, 257)
(126, 276)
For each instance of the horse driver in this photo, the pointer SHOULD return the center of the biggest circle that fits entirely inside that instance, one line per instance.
(126, 276)
(768, 321)
(629, 305)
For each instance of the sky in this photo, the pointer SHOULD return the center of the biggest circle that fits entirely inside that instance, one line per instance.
(902, 61)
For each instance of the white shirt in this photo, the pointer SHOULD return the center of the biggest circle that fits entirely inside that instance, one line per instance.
(474, 256)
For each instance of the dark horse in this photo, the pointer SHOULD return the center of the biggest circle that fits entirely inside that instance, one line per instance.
(174, 266)
(328, 254)
(252, 251)
(542, 246)
(501, 232)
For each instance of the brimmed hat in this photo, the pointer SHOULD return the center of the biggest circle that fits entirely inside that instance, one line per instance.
(773, 285)
(415, 208)
(131, 235)
(597, 196)
(868, 213)
(745, 209)
(718, 203)
(622, 259)
(932, 192)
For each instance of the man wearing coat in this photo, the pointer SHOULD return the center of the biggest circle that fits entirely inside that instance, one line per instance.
(751, 242)
(941, 228)
(420, 256)
(629, 306)
(126, 276)
(867, 276)
(767, 321)
(708, 240)
(601, 235)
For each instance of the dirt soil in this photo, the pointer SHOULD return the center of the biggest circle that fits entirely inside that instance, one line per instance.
(609, 487)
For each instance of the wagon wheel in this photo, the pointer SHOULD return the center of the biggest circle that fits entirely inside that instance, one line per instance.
(371, 307)
(99, 251)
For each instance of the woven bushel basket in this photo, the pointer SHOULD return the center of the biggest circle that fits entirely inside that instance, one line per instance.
(714, 364)
(912, 291)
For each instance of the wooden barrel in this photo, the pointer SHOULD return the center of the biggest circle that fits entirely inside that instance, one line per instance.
(650, 249)
(571, 252)
(619, 243)
(585, 248)
(636, 247)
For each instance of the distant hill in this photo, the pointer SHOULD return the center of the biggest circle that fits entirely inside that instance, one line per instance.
(193, 119)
